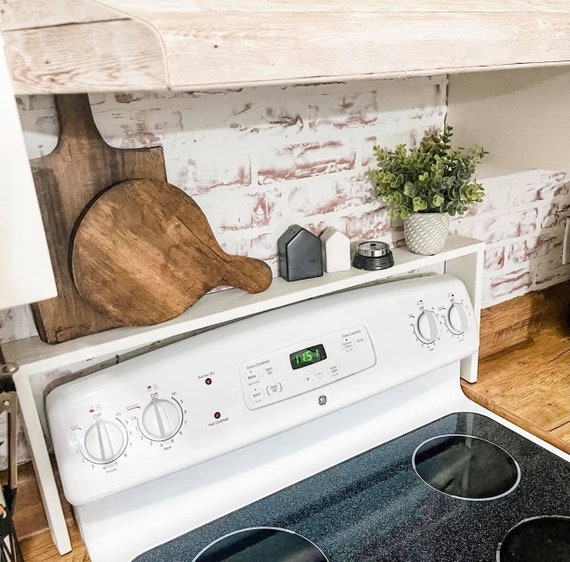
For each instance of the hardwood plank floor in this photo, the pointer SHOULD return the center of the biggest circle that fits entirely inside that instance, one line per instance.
(524, 376)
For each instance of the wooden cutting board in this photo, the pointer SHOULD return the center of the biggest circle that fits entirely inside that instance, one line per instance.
(80, 167)
(144, 252)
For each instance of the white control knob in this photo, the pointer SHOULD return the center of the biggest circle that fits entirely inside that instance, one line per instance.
(427, 328)
(457, 319)
(161, 419)
(104, 441)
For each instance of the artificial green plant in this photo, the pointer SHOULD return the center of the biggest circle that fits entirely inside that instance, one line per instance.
(432, 177)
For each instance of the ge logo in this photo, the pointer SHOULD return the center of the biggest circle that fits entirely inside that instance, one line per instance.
(322, 400)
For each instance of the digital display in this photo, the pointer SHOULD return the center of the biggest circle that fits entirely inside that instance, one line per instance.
(307, 356)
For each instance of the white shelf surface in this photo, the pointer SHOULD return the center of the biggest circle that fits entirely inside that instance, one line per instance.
(35, 356)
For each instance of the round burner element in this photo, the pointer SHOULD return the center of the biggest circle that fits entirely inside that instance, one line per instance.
(261, 543)
(466, 467)
(537, 539)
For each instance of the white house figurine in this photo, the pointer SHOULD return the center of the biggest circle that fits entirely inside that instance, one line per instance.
(336, 250)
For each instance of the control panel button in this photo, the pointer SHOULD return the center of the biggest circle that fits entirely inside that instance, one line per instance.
(274, 388)
(334, 370)
(268, 370)
(309, 378)
(427, 328)
(161, 419)
(319, 374)
(457, 319)
(105, 441)
(255, 395)
(252, 376)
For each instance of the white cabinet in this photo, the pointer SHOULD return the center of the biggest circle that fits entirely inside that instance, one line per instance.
(25, 268)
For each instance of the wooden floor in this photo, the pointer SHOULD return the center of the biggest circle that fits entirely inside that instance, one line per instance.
(524, 376)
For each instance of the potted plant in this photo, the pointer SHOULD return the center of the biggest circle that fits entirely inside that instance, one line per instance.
(426, 184)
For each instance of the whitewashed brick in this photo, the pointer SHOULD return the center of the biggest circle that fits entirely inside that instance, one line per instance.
(304, 160)
(197, 167)
(511, 283)
(535, 185)
(563, 188)
(390, 136)
(326, 196)
(242, 210)
(549, 275)
(521, 251)
(508, 226)
(494, 258)
(555, 213)
(368, 225)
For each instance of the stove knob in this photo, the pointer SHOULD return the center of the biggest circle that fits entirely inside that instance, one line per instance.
(161, 419)
(457, 319)
(105, 441)
(427, 328)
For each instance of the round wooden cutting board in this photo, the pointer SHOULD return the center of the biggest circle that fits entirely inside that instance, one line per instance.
(143, 252)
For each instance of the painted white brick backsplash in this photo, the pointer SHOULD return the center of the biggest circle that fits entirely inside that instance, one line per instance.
(259, 159)
(521, 219)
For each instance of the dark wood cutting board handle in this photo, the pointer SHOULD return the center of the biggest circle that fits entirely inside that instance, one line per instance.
(80, 167)
(144, 252)
(76, 123)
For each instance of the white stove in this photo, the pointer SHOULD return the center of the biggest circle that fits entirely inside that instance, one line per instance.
(154, 448)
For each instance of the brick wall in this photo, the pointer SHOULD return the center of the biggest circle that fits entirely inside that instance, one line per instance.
(522, 221)
(259, 159)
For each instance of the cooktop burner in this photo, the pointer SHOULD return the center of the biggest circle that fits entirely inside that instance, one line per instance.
(375, 507)
(466, 467)
(538, 539)
(262, 543)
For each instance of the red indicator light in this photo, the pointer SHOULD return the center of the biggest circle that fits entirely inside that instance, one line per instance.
(149, 387)
(217, 415)
(208, 380)
(91, 410)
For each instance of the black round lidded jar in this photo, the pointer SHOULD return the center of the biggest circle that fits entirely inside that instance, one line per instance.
(373, 255)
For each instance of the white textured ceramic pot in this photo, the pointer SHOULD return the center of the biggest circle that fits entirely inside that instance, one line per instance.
(426, 233)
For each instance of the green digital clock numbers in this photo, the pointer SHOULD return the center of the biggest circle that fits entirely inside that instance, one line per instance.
(307, 356)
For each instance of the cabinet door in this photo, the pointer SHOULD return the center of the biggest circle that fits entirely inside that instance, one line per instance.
(25, 269)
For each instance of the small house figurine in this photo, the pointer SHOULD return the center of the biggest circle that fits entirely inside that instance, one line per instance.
(336, 250)
(300, 255)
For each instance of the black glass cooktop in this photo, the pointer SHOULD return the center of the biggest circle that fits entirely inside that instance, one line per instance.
(538, 539)
(449, 491)
(262, 543)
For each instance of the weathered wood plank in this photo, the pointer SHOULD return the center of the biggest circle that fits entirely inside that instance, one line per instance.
(527, 377)
(268, 47)
(19, 14)
(89, 57)
(141, 7)
(213, 44)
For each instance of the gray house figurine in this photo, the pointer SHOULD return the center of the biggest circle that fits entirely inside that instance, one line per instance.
(300, 255)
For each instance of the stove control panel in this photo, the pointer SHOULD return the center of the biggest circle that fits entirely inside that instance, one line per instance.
(305, 365)
(218, 391)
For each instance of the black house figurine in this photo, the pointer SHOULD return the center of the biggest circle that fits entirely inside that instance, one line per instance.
(300, 255)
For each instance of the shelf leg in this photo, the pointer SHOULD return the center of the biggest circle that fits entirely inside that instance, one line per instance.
(42, 465)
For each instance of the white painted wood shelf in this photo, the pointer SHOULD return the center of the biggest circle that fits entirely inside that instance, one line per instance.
(123, 45)
(35, 356)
